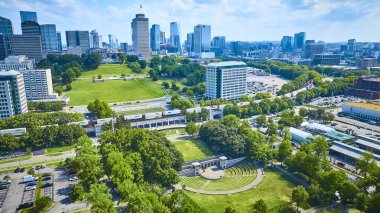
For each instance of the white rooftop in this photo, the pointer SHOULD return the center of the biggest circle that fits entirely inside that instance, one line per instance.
(300, 133)
(227, 63)
(318, 126)
(8, 73)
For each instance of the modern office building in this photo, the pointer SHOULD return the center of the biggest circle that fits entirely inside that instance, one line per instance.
(202, 41)
(369, 111)
(94, 39)
(312, 48)
(226, 80)
(155, 37)
(162, 38)
(140, 36)
(5, 46)
(38, 84)
(13, 98)
(175, 38)
(351, 45)
(286, 43)
(28, 16)
(189, 45)
(112, 41)
(124, 46)
(364, 63)
(78, 39)
(218, 45)
(299, 40)
(49, 37)
(6, 27)
(19, 62)
(326, 59)
(30, 28)
(59, 41)
(367, 87)
(31, 46)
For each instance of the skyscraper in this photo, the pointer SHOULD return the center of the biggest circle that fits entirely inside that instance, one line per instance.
(140, 36)
(190, 42)
(31, 46)
(111, 41)
(30, 28)
(351, 44)
(94, 39)
(78, 39)
(49, 37)
(175, 39)
(6, 27)
(13, 99)
(162, 37)
(286, 43)
(59, 41)
(219, 42)
(299, 40)
(313, 48)
(124, 46)
(28, 16)
(155, 37)
(202, 39)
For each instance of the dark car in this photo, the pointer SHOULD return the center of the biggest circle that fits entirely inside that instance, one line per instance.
(22, 170)
(72, 172)
(25, 205)
(39, 167)
(31, 184)
(46, 175)
(46, 185)
(340, 164)
(46, 178)
(3, 187)
(17, 170)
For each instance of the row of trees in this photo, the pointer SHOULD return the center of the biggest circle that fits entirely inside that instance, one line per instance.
(29, 120)
(265, 106)
(45, 106)
(100, 109)
(139, 164)
(318, 114)
(39, 137)
(181, 103)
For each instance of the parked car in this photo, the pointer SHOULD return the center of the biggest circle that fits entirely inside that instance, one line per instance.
(25, 205)
(5, 181)
(73, 178)
(46, 185)
(17, 170)
(340, 164)
(31, 184)
(46, 178)
(39, 167)
(3, 187)
(22, 170)
(30, 188)
(46, 175)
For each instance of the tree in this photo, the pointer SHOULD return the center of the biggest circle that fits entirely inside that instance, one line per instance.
(77, 192)
(132, 58)
(142, 64)
(191, 128)
(166, 85)
(299, 196)
(100, 109)
(41, 204)
(288, 209)
(230, 121)
(135, 67)
(303, 112)
(100, 76)
(348, 193)
(190, 93)
(260, 206)
(31, 172)
(374, 204)
(366, 164)
(230, 210)
(286, 135)
(100, 198)
(261, 120)
(92, 61)
(175, 87)
(284, 150)
(68, 76)
(320, 146)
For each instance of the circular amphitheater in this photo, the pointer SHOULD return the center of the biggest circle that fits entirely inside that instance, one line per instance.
(239, 177)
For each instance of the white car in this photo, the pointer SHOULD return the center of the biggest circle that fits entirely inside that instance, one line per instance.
(73, 178)
(30, 188)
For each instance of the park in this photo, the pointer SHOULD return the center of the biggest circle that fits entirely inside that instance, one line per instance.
(85, 90)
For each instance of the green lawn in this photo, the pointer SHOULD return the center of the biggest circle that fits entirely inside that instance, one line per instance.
(173, 131)
(53, 150)
(141, 111)
(193, 149)
(84, 91)
(109, 70)
(275, 190)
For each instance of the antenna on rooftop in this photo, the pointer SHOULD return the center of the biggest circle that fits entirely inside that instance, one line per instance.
(141, 8)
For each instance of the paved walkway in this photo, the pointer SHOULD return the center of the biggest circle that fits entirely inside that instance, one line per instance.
(291, 175)
(253, 184)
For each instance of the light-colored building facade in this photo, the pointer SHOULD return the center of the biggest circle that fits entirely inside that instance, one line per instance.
(368, 111)
(226, 80)
(141, 36)
(19, 62)
(38, 84)
(12, 94)
(202, 40)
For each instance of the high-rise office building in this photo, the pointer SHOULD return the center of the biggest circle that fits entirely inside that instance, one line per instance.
(219, 42)
(28, 16)
(94, 39)
(78, 39)
(189, 42)
(13, 98)
(175, 38)
(124, 46)
(286, 43)
(326, 59)
(351, 44)
(202, 39)
(30, 28)
(31, 46)
(140, 36)
(299, 40)
(59, 41)
(226, 80)
(38, 84)
(162, 38)
(111, 41)
(313, 48)
(6, 27)
(49, 37)
(155, 37)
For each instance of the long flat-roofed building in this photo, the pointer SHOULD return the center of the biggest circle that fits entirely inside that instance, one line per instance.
(13, 97)
(19, 62)
(226, 80)
(369, 111)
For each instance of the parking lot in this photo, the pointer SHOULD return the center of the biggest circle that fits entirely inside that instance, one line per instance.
(335, 100)
(265, 83)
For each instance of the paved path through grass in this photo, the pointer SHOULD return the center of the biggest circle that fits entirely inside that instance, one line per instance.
(254, 183)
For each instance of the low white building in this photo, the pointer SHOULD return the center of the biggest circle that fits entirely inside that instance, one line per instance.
(368, 111)
(19, 62)
(319, 128)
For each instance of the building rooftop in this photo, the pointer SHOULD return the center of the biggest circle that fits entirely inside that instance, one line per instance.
(9, 73)
(351, 151)
(338, 135)
(369, 106)
(368, 144)
(317, 126)
(300, 133)
(227, 63)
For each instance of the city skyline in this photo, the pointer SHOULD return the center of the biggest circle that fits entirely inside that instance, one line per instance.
(330, 21)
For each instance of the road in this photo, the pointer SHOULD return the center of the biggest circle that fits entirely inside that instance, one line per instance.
(38, 159)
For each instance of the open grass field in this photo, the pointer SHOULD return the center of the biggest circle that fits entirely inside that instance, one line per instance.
(193, 149)
(84, 91)
(275, 190)
(53, 150)
(141, 111)
(109, 70)
(173, 131)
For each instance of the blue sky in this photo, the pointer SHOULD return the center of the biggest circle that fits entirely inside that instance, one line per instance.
(246, 20)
